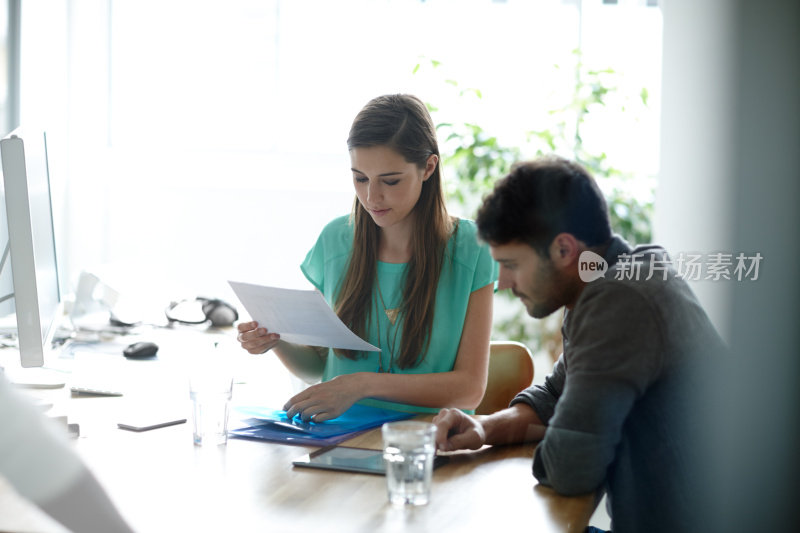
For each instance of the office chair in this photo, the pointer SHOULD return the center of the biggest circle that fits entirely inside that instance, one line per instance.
(510, 371)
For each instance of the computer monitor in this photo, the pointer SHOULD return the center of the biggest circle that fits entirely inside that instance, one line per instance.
(31, 243)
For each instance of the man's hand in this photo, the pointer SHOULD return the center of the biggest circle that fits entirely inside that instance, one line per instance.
(456, 430)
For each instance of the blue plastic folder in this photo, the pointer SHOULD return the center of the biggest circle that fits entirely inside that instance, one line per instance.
(273, 425)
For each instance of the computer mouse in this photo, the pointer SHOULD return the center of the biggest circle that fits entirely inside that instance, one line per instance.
(140, 349)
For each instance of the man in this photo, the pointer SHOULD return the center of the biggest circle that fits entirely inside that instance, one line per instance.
(616, 412)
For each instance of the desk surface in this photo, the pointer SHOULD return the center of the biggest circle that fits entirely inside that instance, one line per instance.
(162, 482)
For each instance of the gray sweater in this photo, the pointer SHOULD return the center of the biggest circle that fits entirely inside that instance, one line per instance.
(618, 404)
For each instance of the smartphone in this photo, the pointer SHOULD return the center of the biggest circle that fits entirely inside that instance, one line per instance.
(348, 459)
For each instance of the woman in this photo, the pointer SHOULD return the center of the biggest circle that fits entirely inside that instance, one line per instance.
(402, 274)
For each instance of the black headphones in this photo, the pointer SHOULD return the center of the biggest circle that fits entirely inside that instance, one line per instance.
(219, 312)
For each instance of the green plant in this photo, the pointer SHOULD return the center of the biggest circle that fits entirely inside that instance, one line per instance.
(474, 159)
(630, 213)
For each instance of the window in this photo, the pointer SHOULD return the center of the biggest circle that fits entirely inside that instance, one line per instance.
(200, 144)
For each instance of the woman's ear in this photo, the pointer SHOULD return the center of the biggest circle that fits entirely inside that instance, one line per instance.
(430, 166)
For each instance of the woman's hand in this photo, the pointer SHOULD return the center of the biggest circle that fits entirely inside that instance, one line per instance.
(326, 400)
(254, 339)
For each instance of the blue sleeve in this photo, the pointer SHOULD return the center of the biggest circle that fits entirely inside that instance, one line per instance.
(486, 269)
(327, 260)
(313, 266)
(474, 254)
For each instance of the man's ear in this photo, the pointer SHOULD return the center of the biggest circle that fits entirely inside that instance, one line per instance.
(564, 250)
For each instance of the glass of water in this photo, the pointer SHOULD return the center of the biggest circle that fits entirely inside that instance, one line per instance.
(210, 403)
(409, 448)
(210, 388)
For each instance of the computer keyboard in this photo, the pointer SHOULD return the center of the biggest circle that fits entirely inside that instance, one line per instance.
(97, 374)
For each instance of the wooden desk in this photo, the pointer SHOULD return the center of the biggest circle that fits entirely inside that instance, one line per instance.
(162, 482)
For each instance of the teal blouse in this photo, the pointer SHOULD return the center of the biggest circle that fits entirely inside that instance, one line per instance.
(468, 266)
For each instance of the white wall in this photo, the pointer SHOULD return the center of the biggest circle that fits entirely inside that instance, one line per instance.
(694, 193)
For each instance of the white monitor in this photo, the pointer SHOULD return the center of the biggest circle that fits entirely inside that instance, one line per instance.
(31, 243)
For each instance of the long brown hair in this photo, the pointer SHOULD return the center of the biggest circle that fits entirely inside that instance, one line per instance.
(402, 123)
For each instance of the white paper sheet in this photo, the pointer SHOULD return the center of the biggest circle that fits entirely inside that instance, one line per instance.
(299, 316)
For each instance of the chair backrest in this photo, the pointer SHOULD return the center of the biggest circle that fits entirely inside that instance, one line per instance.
(510, 371)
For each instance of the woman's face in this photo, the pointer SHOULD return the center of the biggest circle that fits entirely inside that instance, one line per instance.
(387, 185)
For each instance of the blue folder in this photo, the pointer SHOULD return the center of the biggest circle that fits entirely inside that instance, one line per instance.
(274, 425)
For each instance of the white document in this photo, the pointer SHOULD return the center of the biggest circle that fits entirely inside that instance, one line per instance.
(299, 316)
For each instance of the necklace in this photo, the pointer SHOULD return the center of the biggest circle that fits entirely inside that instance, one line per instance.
(392, 315)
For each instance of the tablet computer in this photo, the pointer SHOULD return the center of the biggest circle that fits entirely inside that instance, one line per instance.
(349, 459)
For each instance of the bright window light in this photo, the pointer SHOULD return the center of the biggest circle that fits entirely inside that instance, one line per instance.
(195, 141)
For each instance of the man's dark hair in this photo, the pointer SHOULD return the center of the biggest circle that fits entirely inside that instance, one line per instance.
(538, 200)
